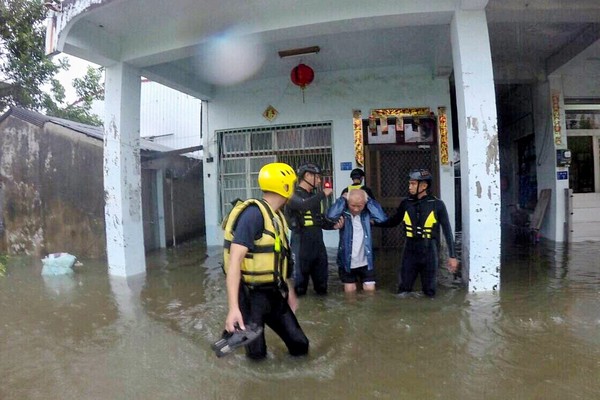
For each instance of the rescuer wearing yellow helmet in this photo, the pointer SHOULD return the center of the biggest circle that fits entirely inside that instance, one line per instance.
(421, 215)
(257, 264)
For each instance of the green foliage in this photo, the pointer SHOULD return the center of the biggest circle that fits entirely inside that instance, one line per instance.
(3, 264)
(25, 70)
(87, 89)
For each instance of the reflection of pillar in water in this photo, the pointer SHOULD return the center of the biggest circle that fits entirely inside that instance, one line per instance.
(126, 292)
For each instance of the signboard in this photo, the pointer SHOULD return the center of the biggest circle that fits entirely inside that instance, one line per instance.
(346, 166)
(562, 175)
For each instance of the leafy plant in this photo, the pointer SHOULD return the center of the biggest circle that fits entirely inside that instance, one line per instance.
(3, 263)
(25, 69)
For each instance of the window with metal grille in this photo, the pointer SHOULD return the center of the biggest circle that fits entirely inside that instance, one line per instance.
(243, 152)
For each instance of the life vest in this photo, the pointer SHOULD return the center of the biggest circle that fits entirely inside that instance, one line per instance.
(267, 263)
(420, 232)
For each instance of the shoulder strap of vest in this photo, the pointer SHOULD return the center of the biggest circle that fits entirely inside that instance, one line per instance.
(234, 203)
(269, 210)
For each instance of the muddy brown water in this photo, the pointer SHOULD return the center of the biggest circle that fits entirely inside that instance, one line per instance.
(90, 336)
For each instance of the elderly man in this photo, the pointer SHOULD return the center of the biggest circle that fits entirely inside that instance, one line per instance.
(355, 250)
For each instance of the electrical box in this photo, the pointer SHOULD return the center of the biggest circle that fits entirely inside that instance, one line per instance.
(563, 158)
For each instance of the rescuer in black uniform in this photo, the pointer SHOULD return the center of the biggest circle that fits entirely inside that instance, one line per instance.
(306, 219)
(358, 175)
(421, 215)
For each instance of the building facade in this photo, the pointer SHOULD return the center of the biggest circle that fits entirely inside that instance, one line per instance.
(398, 84)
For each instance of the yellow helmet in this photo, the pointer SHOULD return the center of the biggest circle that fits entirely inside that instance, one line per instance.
(277, 178)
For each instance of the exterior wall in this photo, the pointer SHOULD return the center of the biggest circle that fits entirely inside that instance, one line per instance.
(53, 200)
(52, 192)
(159, 105)
(184, 211)
(581, 82)
(331, 97)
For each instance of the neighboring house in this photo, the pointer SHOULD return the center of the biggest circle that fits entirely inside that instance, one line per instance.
(52, 194)
(159, 104)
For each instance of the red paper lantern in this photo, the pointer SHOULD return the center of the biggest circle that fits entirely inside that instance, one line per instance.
(302, 75)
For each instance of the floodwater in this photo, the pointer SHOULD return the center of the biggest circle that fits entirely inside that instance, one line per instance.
(90, 336)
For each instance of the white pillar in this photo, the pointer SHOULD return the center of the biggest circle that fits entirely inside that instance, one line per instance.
(122, 172)
(548, 141)
(479, 158)
(160, 202)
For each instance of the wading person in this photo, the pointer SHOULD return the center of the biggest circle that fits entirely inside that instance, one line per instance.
(422, 214)
(257, 264)
(305, 216)
(355, 250)
(357, 175)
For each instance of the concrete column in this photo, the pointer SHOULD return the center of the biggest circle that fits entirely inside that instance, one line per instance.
(479, 159)
(547, 142)
(122, 172)
(160, 202)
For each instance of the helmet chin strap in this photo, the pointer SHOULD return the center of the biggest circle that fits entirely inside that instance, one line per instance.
(416, 195)
(312, 185)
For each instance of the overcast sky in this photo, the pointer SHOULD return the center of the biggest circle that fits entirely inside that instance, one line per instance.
(77, 70)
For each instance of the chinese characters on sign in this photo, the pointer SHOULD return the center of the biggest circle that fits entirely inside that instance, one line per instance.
(556, 117)
(443, 125)
(270, 113)
(358, 137)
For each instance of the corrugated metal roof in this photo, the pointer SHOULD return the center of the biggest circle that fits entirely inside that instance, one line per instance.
(96, 132)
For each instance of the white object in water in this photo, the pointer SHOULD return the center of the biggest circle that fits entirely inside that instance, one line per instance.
(58, 264)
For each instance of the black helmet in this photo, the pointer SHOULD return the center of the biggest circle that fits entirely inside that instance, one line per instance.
(357, 173)
(420, 175)
(309, 167)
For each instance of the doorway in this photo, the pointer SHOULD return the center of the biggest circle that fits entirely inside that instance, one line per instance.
(584, 165)
(387, 168)
(583, 139)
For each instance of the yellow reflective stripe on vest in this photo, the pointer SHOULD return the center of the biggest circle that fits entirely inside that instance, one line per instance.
(408, 224)
(425, 232)
(429, 223)
(308, 218)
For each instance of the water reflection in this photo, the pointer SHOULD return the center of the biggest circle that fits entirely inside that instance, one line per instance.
(90, 336)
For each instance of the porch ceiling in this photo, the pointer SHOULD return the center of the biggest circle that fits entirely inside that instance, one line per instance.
(169, 40)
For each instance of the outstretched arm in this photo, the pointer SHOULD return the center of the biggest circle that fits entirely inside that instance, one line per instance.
(395, 219)
(297, 203)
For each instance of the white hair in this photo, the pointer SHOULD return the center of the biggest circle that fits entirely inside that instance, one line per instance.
(358, 193)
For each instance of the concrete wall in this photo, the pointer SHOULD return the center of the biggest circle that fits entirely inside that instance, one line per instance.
(331, 97)
(53, 195)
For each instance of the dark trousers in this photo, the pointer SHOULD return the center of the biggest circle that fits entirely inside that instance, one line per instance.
(420, 259)
(269, 307)
(310, 262)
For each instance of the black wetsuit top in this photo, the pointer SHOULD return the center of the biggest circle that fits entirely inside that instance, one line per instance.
(418, 211)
